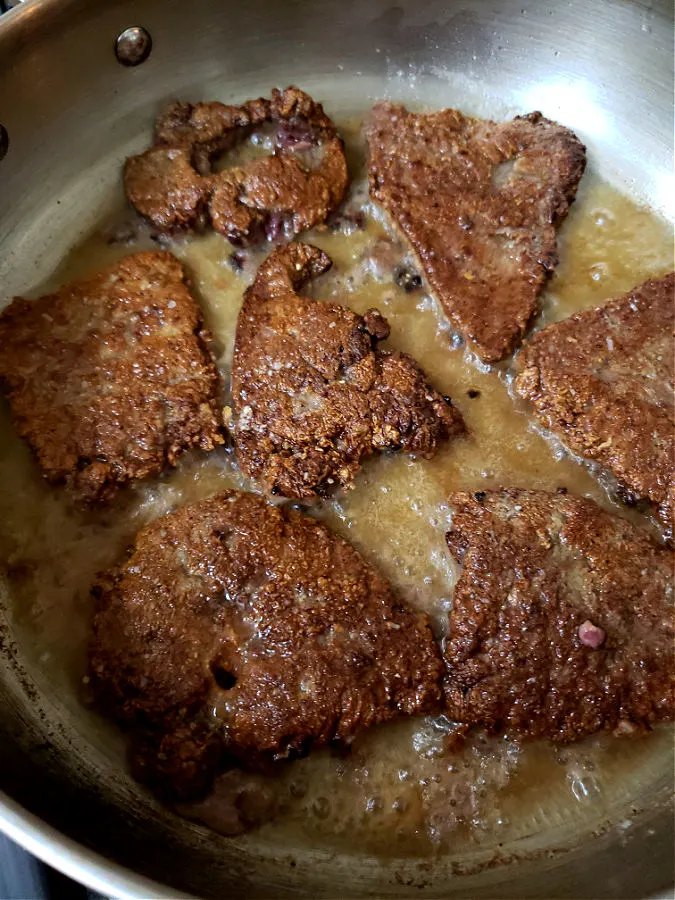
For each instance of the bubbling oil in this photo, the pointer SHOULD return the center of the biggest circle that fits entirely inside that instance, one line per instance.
(401, 790)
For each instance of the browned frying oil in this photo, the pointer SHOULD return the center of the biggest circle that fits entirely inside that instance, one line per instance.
(400, 791)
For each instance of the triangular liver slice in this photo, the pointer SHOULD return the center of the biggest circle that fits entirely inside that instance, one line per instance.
(480, 202)
(313, 394)
(603, 380)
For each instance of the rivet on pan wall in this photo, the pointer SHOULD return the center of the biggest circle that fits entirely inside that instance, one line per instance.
(4, 142)
(133, 46)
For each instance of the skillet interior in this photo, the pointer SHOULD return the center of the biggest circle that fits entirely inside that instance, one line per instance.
(72, 114)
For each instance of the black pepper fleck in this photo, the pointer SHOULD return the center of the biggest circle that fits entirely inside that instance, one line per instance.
(407, 279)
(473, 393)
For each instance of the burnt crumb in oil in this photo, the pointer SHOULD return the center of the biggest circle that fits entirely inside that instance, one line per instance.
(348, 222)
(325, 488)
(237, 260)
(626, 496)
(159, 238)
(562, 491)
(480, 496)
(473, 393)
(407, 279)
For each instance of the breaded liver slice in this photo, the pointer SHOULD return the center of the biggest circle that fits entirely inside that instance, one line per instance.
(563, 618)
(174, 185)
(480, 202)
(110, 378)
(238, 632)
(314, 394)
(604, 382)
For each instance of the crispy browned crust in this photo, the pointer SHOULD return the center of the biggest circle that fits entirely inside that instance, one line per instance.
(312, 641)
(312, 392)
(110, 378)
(480, 203)
(604, 381)
(536, 567)
(172, 183)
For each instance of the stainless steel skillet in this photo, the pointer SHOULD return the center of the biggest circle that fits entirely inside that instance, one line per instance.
(70, 114)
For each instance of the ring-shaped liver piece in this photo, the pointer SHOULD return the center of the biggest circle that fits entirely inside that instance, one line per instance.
(174, 186)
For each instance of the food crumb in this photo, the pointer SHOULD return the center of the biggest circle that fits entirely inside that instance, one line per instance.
(591, 635)
(407, 279)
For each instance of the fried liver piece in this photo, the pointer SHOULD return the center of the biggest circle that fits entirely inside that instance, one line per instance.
(312, 392)
(241, 633)
(604, 381)
(563, 618)
(174, 186)
(480, 203)
(110, 378)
